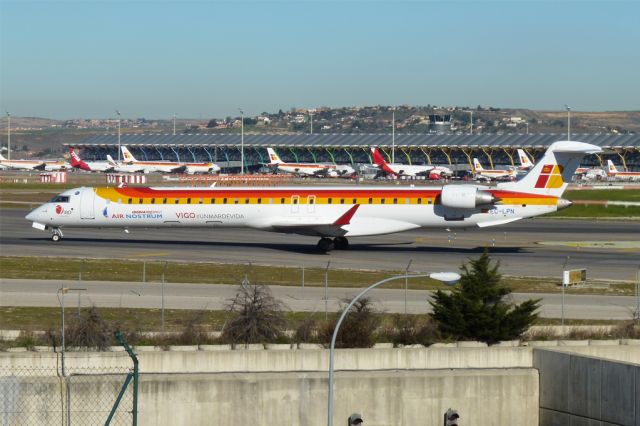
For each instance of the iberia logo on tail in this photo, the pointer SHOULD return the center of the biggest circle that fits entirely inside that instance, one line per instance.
(550, 177)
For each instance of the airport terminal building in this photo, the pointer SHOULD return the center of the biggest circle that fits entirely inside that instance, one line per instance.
(457, 151)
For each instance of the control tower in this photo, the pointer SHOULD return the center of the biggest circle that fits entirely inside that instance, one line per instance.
(440, 123)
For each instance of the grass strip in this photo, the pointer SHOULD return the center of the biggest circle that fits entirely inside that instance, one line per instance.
(219, 273)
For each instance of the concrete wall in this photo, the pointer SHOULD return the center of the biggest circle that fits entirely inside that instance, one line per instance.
(407, 397)
(581, 390)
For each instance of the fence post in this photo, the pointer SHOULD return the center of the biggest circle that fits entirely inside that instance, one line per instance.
(134, 376)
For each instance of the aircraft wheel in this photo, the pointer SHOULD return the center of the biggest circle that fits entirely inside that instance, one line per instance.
(341, 243)
(325, 245)
(55, 238)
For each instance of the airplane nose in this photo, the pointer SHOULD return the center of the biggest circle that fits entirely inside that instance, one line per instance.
(31, 216)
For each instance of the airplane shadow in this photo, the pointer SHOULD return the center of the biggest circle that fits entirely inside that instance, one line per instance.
(299, 248)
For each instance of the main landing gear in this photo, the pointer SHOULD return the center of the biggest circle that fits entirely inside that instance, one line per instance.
(56, 235)
(325, 244)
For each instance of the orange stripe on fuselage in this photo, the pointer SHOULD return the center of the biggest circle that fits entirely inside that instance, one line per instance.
(322, 195)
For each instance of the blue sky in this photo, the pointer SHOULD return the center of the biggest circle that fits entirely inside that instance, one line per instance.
(207, 59)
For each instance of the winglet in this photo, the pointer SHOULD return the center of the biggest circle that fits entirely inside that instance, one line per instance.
(345, 219)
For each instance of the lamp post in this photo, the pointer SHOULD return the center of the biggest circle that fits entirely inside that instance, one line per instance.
(527, 124)
(174, 124)
(568, 123)
(446, 277)
(241, 141)
(393, 136)
(118, 112)
(471, 122)
(311, 120)
(564, 266)
(8, 136)
(63, 291)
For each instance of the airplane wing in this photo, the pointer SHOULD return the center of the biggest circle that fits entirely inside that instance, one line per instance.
(314, 226)
(179, 169)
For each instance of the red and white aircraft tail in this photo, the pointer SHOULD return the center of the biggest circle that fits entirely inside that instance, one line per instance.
(77, 162)
(525, 162)
(273, 157)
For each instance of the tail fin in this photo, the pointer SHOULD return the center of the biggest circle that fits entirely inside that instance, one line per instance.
(110, 160)
(77, 162)
(611, 168)
(2, 158)
(128, 157)
(273, 157)
(477, 166)
(554, 171)
(525, 162)
(379, 161)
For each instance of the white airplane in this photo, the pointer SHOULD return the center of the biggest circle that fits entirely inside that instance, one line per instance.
(331, 213)
(612, 171)
(310, 169)
(90, 166)
(125, 168)
(525, 162)
(492, 174)
(432, 172)
(48, 165)
(168, 166)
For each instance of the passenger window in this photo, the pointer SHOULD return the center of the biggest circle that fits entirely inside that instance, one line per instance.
(329, 201)
(355, 201)
(259, 200)
(130, 201)
(341, 200)
(188, 200)
(235, 200)
(246, 201)
(382, 201)
(153, 201)
(164, 201)
(429, 200)
(270, 200)
(139, 200)
(224, 201)
(419, 200)
(295, 201)
(200, 201)
(213, 201)
(311, 199)
(281, 200)
(370, 200)
(407, 200)
(395, 201)
(177, 200)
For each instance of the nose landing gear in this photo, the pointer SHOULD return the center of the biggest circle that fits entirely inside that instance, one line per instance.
(56, 235)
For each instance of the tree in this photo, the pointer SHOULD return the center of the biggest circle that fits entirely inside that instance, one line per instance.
(212, 123)
(476, 310)
(358, 328)
(257, 316)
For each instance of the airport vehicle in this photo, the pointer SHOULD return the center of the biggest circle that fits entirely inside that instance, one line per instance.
(309, 169)
(331, 213)
(90, 166)
(480, 173)
(613, 172)
(432, 172)
(167, 166)
(525, 162)
(48, 165)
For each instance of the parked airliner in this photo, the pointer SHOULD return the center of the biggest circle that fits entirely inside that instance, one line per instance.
(612, 171)
(432, 172)
(48, 165)
(480, 173)
(309, 169)
(90, 166)
(331, 213)
(168, 166)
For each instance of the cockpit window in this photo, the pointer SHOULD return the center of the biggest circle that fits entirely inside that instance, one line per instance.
(60, 199)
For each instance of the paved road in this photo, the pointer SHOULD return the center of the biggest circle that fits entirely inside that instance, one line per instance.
(516, 246)
(16, 292)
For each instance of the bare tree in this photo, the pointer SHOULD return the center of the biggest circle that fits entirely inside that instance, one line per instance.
(257, 316)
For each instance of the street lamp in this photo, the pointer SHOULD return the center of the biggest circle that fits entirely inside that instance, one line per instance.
(118, 112)
(174, 124)
(449, 278)
(311, 119)
(568, 123)
(63, 291)
(8, 136)
(241, 141)
(393, 136)
(471, 122)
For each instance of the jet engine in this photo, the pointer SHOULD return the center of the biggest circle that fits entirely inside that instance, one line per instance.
(465, 197)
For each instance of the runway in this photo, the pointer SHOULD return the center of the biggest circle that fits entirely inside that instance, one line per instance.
(516, 245)
(16, 292)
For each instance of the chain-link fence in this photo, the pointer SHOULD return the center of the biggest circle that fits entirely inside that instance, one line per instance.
(86, 395)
